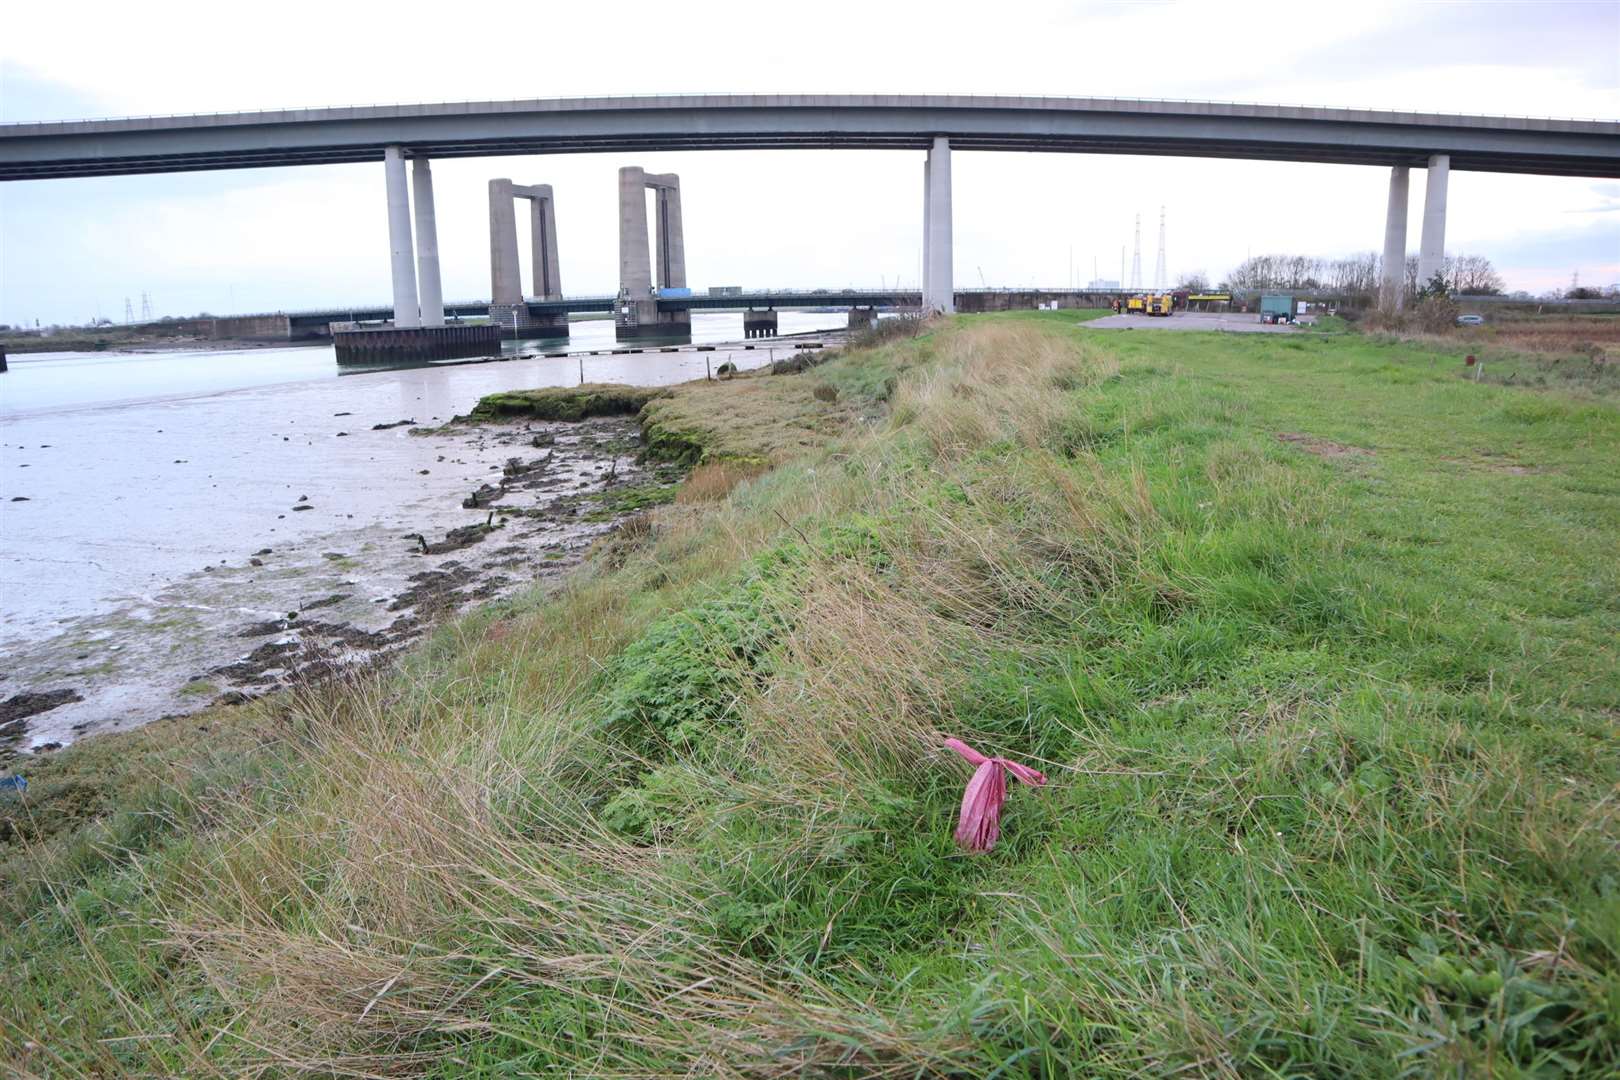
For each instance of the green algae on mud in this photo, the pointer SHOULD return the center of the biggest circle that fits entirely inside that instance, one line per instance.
(567, 402)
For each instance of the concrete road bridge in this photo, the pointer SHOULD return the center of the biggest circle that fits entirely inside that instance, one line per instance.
(730, 301)
(393, 134)
(316, 322)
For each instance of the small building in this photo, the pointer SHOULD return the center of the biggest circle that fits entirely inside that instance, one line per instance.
(1277, 307)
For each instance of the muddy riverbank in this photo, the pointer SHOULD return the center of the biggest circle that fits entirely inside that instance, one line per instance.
(534, 498)
(184, 529)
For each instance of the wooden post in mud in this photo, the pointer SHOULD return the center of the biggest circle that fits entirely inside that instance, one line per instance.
(582, 371)
(707, 372)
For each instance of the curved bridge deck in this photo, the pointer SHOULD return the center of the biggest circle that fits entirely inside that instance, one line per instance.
(810, 121)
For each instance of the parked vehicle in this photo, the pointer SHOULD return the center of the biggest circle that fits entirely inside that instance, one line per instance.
(1470, 320)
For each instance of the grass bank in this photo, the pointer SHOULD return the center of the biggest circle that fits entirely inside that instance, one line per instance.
(1314, 636)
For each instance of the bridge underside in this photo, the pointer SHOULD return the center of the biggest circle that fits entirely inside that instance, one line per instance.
(1258, 151)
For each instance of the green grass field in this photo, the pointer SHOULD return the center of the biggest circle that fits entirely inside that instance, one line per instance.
(1315, 637)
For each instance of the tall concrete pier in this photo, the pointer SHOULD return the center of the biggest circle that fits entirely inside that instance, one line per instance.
(430, 293)
(401, 257)
(417, 333)
(1432, 253)
(938, 292)
(1392, 286)
(507, 306)
(636, 315)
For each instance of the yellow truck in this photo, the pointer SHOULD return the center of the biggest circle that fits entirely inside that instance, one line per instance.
(1161, 305)
(1136, 305)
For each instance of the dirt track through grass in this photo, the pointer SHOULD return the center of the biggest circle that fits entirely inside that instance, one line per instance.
(1331, 739)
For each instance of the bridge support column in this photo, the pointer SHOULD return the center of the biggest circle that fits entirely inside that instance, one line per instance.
(543, 244)
(938, 291)
(543, 252)
(1432, 255)
(507, 307)
(636, 314)
(928, 221)
(1392, 286)
(671, 234)
(758, 324)
(427, 244)
(401, 256)
(505, 280)
(635, 271)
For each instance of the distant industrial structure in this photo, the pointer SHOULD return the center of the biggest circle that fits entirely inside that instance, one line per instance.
(1136, 256)
(1161, 276)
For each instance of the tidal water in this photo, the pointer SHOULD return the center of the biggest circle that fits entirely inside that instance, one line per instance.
(121, 474)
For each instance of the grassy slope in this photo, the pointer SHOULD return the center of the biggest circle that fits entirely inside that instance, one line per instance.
(1331, 732)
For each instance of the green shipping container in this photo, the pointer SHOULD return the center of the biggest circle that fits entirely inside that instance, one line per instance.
(1278, 307)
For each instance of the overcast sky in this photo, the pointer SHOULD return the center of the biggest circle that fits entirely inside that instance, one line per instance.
(269, 239)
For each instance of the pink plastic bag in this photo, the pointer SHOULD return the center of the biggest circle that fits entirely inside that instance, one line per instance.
(981, 802)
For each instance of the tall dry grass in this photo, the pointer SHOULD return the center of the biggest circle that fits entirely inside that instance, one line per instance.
(439, 854)
(714, 480)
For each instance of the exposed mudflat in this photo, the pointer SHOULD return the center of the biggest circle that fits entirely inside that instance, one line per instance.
(300, 607)
(183, 528)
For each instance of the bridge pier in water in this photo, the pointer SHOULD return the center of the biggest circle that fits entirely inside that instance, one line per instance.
(507, 306)
(758, 324)
(418, 332)
(636, 315)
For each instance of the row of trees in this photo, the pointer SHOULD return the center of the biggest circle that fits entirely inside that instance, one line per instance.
(1354, 275)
